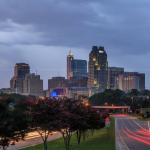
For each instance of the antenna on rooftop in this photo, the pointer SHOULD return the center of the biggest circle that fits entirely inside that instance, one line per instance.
(70, 52)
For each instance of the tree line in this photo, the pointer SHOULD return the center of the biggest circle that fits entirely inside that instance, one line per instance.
(135, 99)
(20, 115)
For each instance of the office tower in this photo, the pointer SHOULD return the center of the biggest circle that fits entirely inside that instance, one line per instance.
(76, 71)
(70, 57)
(131, 80)
(33, 85)
(98, 69)
(79, 73)
(79, 68)
(20, 71)
(113, 73)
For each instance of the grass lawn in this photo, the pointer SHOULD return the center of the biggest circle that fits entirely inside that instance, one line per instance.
(103, 139)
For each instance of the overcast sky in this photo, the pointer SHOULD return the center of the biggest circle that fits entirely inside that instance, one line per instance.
(41, 32)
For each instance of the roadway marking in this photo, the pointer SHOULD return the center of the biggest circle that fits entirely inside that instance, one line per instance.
(123, 142)
(138, 124)
(122, 145)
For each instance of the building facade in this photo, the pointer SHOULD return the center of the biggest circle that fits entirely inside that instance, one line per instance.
(70, 58)
(113, 73)
(57, 86)
(76, 72)
(33, 85)
(98, 69)
(20, 71)
(79, 68)
(57, 82)
(76, 92)
(131, 80)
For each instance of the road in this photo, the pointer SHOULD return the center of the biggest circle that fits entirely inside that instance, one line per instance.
(33, 139)
(132, 134)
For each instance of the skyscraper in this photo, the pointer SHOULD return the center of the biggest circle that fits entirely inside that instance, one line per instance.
(76, 71)
(20, 71)
(79, 68)
(98, 69)
(70, 57)
(79, 73)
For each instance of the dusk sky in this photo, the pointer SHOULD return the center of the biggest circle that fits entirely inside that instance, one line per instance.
(41, 32)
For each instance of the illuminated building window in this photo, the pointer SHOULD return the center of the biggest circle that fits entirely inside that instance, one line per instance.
(94, 59)
(95, 82)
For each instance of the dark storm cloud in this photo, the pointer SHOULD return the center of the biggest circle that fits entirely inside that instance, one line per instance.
(122, 26)
(117, 24)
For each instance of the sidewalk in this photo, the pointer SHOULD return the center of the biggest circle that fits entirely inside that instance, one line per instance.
(33, 141)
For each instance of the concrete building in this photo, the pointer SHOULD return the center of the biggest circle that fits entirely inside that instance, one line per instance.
(113, 73)
(78, 82)
(57, 86)
(76, 92)
(131, 80)
(20, 71)
(33, 85)
(98, 70)
(57, 82)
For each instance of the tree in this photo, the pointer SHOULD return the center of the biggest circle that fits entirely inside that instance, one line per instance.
(116, 97)
(44, 118)
(134, 92)
(77, 116)
(67, 119)
(13, 123)
(80, 110)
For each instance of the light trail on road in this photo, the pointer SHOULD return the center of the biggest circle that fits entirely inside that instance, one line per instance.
(131, 134)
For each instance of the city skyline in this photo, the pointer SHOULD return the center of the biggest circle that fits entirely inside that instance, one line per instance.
(43, 33)
(71, 67)
(45, 81)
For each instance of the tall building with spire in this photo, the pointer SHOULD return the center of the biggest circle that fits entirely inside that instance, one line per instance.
(76, 68)
(76, 71)
(70, 58)
(98, 69)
